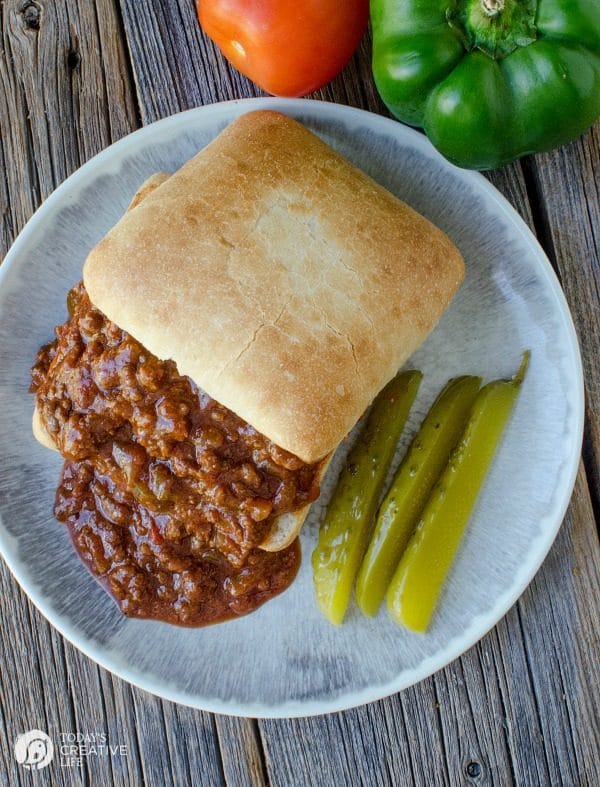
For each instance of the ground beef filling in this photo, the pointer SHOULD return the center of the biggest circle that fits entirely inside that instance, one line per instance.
(166, 493)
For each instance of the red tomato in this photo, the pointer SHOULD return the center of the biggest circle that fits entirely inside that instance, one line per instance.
(288, 47)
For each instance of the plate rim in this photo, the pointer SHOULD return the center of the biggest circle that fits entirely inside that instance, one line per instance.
(486, 621)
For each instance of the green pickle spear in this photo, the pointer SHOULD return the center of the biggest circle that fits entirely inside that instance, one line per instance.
(416, 585)
(347, 525)
(425, 459)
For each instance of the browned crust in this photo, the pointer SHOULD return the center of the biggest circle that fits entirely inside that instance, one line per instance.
(147, 187)
(281, 279)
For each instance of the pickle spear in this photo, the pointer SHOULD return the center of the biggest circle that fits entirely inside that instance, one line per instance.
(416, 585)
(424, 461)
(347, 525)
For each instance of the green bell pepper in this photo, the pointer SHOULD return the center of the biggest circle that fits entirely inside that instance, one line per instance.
(489, 80)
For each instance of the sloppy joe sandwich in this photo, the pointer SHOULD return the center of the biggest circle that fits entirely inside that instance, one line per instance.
(229, 332)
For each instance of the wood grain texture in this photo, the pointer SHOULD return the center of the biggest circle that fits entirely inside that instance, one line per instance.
(241, 752)
(521, 707)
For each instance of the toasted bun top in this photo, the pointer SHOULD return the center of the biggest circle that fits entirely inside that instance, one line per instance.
(284, 281)
(285, 527)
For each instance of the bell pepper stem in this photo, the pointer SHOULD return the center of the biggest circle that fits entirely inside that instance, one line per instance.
(492, 8)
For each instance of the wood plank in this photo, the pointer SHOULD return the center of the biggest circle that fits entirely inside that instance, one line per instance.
(34, 690)
(102, 706)
(241, 751)
(168, 49)
(354, 747)
(483, 719)
(193, 745)
(177, 745)
(117, 703)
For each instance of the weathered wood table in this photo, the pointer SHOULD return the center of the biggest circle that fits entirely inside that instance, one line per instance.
(522, 706)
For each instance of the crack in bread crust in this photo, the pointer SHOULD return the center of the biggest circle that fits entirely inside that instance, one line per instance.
(302, 276)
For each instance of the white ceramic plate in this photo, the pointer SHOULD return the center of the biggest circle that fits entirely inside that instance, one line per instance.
(285, 660)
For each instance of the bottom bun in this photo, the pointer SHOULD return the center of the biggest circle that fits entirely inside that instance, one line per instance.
(40, 432)
(286, 527)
